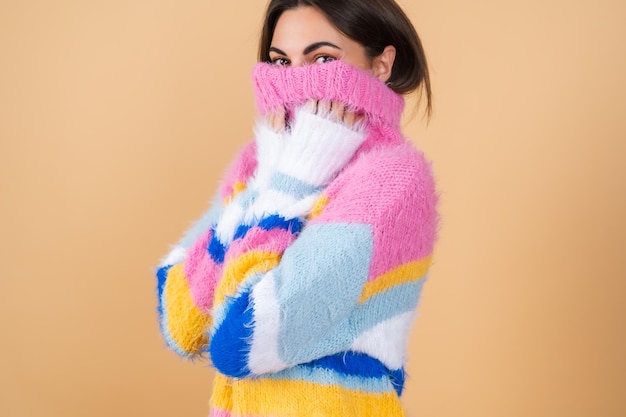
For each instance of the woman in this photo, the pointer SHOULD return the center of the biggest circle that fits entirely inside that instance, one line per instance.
(301, 287)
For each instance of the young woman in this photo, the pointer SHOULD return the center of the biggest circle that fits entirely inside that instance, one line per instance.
(301, 285)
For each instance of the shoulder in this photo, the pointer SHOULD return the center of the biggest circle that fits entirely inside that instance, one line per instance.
(392, 191)
(391, 180)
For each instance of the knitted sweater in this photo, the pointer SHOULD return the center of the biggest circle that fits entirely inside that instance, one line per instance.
(302, 285)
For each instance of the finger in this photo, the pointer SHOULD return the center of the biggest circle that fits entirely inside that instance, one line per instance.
(337, 110)
(311, 106)
(279, 119)
(323, 107)
(349, 118)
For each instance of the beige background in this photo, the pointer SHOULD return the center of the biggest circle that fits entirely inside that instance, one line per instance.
(117, 118)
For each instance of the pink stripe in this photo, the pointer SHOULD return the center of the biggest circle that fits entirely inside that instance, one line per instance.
(202, 273)
(216, 412)
(274, 241)
(397, 199)
(241, 169)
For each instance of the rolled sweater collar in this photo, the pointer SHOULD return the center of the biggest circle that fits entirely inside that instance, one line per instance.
(289, 87)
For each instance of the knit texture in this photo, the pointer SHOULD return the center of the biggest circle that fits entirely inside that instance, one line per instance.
(302, 286)
(289, 87)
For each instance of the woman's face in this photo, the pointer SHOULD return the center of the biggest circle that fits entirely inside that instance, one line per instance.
(305, 36)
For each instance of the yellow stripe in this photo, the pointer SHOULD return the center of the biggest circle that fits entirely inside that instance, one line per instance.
(238, 271)
(400, 275)
(318, 207)
(237, 188)
(186, 324)
(282, 398)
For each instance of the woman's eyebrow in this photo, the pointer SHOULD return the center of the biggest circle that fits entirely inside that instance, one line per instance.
(278, 51)
(318, 45)
(306, 50)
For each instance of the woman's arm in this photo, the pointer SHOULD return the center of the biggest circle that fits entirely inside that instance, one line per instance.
(182, 287)
(313, 151)
(289, 297)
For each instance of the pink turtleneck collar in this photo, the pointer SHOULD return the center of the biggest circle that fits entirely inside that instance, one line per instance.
(289, 87)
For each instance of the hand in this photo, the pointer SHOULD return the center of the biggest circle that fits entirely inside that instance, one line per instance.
(270, 135)
(322, 137)
(277, 119)
(297, 159)
(334, 110)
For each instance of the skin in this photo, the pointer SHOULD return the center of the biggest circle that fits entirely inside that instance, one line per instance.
(304, 36)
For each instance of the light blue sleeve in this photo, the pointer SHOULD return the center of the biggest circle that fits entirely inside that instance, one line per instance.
(302, 309)
(204, 223)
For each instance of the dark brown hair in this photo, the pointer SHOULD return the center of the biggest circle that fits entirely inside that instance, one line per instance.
(374, 24)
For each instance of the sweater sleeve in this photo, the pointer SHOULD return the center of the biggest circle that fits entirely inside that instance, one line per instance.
(185, 279)
(297, 294)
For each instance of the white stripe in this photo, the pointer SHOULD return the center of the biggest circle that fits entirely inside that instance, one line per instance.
(228, 223)
(176, 255)
(264, 355)
(318, 148)
(274, 202)
(387, 341)
(269, 145)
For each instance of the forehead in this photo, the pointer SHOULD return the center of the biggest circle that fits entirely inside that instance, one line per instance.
(299, 27)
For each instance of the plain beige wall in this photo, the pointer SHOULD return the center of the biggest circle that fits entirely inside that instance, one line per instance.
(118, 117)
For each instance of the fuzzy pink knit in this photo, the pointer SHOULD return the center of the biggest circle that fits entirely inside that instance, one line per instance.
(277, 86)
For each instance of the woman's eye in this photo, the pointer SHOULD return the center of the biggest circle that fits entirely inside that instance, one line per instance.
(323, 59)
(282, 62)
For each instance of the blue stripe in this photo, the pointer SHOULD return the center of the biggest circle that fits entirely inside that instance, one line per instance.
(241, 231)
(276, 221)
(397, 379)
(220, 312)
(161, 278)
(292, 186)
(351, 363)
(230, 347)
(216, 249)
(271, 222)
(358, 364)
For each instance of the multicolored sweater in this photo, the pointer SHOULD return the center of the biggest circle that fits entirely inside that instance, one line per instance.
(302, 285)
